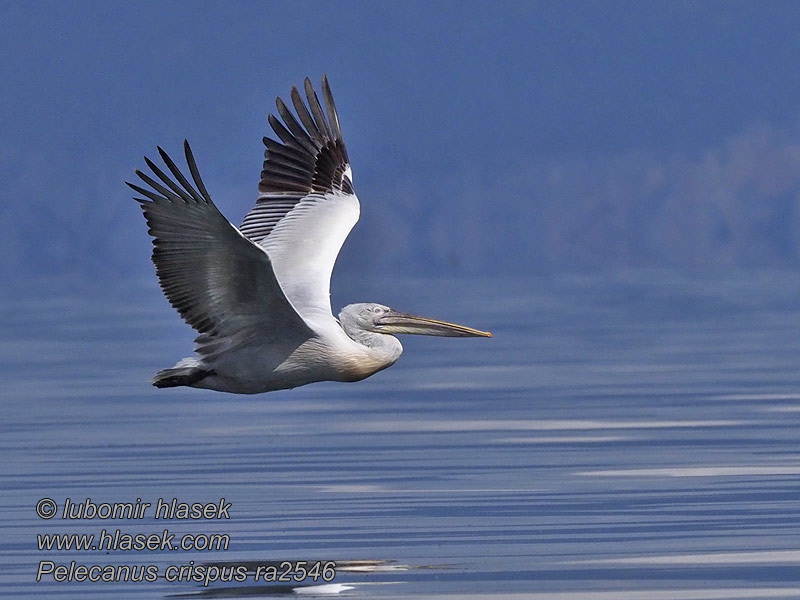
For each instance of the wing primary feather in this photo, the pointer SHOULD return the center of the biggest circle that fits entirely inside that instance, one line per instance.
(316, 110)
(333, 116)
(152, 195)
(299, 133)
(167, 193)
(195, 172)
(280, 168)
(179, 176)
(280, 174)
(305, 117)
(293, 154)
(163, 177)
(286, 136)
(283, 160)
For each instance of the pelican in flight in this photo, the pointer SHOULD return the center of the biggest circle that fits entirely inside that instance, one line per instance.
(259, 295)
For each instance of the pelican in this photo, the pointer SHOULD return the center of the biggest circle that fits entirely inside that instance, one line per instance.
(259, 295)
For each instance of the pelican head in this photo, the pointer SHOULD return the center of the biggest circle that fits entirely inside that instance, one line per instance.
(369, 316)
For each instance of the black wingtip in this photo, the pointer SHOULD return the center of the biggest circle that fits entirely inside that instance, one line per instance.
(274, 123)
(187, 151)
(316, 111)
(310, 149)
(195, 172)
(152, 196)
(330, 108)
(150, 164)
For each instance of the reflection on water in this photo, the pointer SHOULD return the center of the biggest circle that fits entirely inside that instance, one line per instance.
(626, 436)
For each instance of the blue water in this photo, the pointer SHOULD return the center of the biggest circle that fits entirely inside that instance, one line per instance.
(623, 436)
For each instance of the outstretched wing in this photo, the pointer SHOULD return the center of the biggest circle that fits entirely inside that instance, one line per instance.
(221, 283)
(306, 207)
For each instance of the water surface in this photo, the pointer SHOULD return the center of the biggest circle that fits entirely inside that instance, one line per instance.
(622, 436)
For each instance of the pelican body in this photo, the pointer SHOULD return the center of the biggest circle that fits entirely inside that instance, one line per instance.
(259, 295)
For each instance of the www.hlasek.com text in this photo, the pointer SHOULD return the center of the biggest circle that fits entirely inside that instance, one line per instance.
(137, 542)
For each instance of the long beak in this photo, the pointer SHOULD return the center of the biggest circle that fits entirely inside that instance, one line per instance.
(397, 322)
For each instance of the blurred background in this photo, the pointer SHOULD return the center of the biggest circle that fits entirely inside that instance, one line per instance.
(485, 137)
(611, 188)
